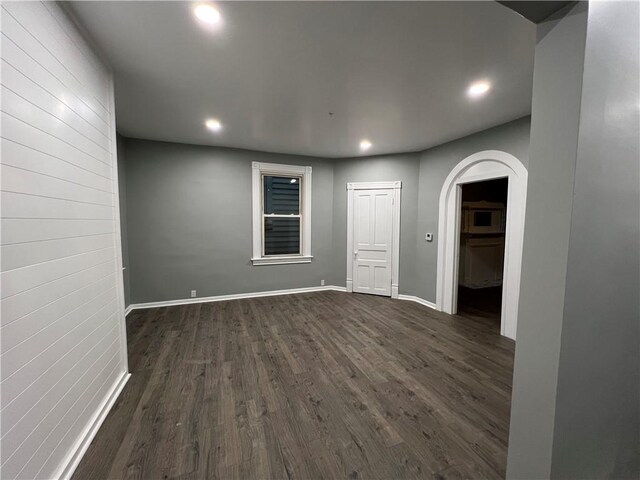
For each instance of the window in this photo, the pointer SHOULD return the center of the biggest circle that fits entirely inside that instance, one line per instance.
(281, 214)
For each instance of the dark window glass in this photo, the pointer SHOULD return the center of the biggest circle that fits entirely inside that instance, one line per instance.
(281, 195)
(282, 236)
(482, 219)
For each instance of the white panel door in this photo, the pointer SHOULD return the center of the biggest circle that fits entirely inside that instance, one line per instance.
(372, 241)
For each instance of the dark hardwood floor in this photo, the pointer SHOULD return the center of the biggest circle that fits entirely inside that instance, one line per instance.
(481, 302)
(317, 385)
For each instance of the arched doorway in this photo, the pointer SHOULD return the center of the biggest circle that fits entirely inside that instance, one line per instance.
(487, 165)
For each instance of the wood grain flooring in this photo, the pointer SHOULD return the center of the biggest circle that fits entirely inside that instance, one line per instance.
(316, 385)
(481, 302)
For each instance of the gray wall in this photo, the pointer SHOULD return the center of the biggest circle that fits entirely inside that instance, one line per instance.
(554, 136)
(402, 167)
(435, 164)
(597, 422)
(422, 176)
(122, 188)
(576, 398)
(189, 222)
(188, 215)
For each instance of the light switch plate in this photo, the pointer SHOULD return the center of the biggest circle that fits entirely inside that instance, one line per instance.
(428, 237)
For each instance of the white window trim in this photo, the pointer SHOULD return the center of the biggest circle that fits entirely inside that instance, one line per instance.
(258, 170)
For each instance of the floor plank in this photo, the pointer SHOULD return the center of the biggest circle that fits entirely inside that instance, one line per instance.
(316, 385)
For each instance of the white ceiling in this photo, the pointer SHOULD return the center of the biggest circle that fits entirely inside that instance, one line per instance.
(393, 72)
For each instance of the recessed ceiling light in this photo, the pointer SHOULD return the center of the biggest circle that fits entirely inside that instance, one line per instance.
(365, 145)
(213, 124)
(478, 89)
(207, 13)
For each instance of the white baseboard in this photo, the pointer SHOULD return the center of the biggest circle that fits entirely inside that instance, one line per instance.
(270, 293)
(419, 300)
(69, 465)
(233, 296)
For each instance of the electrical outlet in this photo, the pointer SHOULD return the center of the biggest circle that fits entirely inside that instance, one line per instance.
(322, 283)
(193, 293)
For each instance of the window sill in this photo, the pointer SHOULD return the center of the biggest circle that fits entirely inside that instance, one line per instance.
(282, 260)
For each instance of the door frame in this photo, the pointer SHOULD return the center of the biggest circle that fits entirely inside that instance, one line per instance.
(396, 186)
(481, 166)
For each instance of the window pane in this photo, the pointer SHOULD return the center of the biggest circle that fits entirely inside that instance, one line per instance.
(281, 195)
(282, 236)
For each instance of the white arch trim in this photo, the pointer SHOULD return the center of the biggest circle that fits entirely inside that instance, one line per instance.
(487, 165)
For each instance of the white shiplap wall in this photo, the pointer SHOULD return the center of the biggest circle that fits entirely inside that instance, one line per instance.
(62, 333)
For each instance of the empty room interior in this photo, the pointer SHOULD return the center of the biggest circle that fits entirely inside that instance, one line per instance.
(320, 240)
